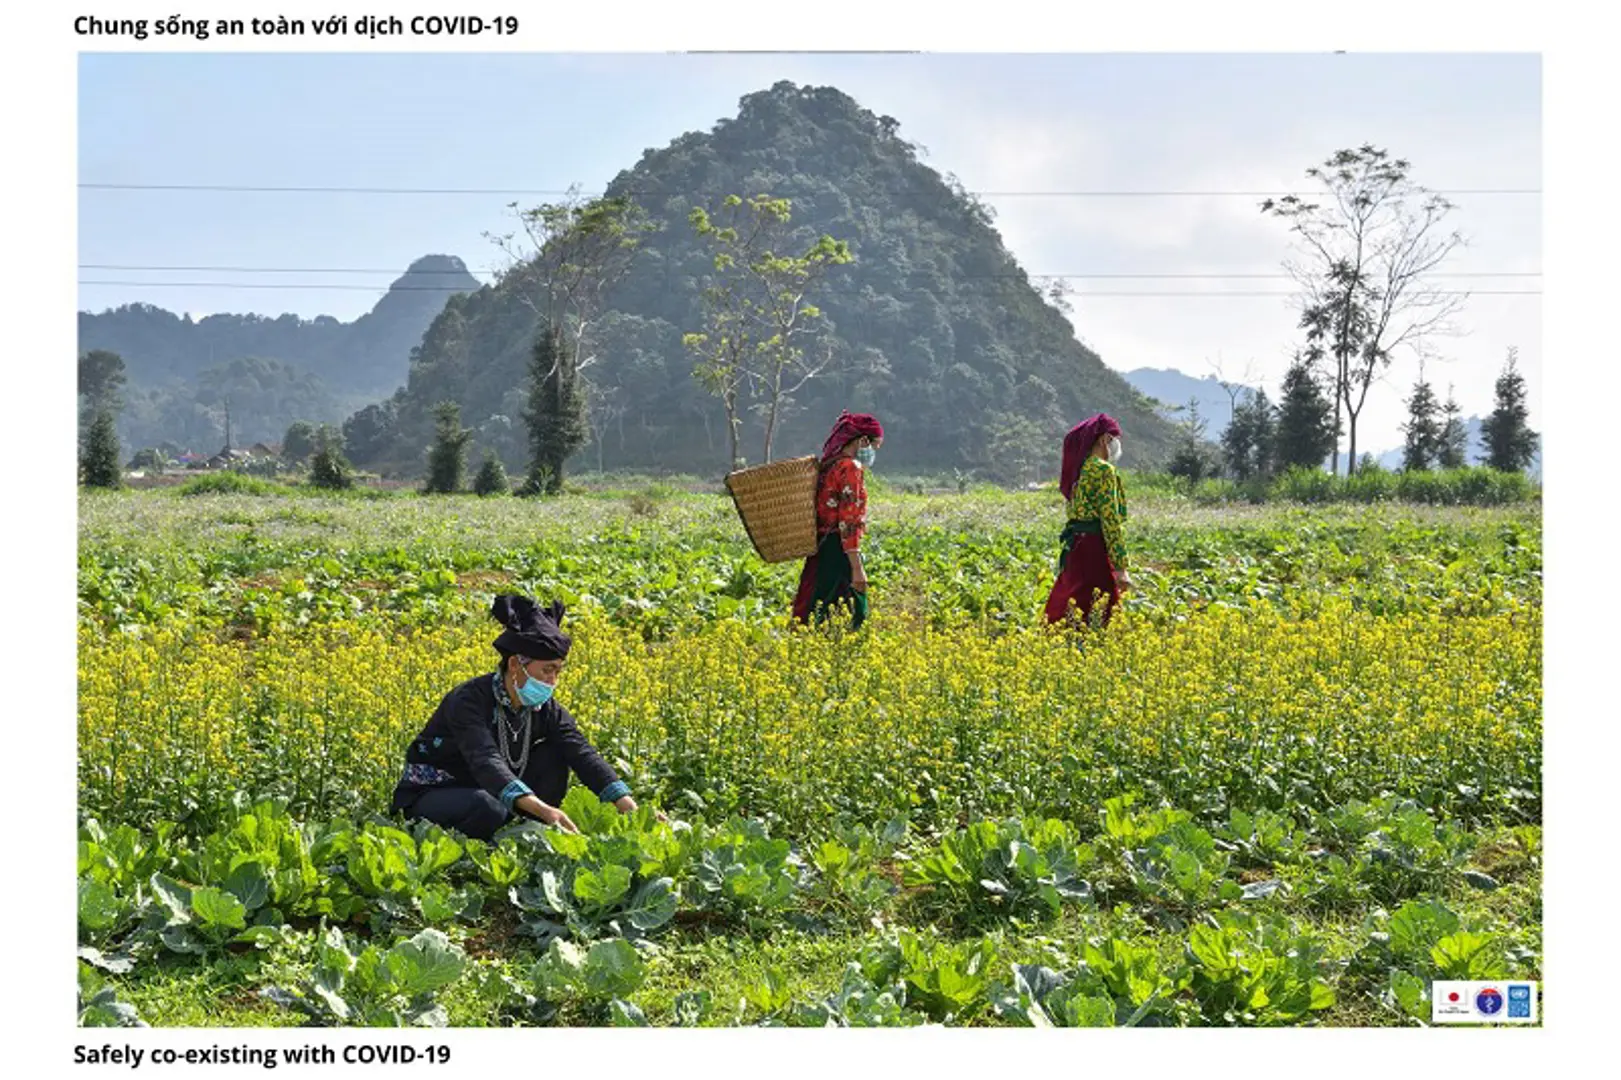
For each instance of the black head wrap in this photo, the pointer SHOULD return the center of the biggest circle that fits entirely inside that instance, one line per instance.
(531, 630)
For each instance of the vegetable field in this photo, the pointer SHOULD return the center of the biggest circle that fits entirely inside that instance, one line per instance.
(1298, 778)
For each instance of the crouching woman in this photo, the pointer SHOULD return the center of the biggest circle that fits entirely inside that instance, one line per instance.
(499, 745)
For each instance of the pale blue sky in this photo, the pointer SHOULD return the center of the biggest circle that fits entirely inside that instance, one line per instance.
(1003, 124)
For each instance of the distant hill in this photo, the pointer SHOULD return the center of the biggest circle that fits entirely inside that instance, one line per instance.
(180, 371)
(1174, 388)
(370, 355)
(937, 327)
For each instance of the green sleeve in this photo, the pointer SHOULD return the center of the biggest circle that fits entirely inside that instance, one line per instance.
(1111, 506)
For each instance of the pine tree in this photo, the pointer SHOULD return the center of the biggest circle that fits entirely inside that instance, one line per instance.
(1247, 442)
(1508, 443)
(492, 477)
(1193, 459)
(1305, 433)
(1454, 436)
(447, 458)
(100, 463)
(1422, 448)
(556, 414)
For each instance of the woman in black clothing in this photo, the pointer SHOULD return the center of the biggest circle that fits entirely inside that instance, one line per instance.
(499, 744)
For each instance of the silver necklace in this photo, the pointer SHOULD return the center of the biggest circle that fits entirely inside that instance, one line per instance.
(506, 734)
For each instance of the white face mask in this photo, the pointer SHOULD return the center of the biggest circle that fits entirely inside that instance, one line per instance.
(1114, 450)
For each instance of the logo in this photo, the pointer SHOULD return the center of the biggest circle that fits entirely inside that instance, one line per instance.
(1482, 1001)
(1449, 1003)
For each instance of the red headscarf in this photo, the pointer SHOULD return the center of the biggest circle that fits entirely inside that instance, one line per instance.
(1078, 443)
(850, 426)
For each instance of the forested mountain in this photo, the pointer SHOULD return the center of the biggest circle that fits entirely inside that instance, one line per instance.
(272, 371)
(934, 326)
(263, 396)
(370, 355)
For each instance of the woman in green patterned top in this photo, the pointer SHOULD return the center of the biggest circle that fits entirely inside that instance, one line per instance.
(1092, 548)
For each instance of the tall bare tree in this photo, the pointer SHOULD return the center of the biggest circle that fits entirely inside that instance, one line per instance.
(566, 258)
(604, 407)
(1368, 254)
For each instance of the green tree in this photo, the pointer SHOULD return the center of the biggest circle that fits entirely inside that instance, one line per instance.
(366, 433)
(1369, 251)
(1454, 453)
(328, 468)
(101, 380)
(299, 441)
(1192, 458)
(147, 458)
(1248, 442)
(556, 415)
(1505, 436)
(1306, 431)
(570, 255)
(757, 308)
(447, 458)
(99, 466)
(1423, 430)
(492, 477)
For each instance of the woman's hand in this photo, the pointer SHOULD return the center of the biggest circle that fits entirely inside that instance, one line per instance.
(858, 572)
(550, 815)
(1122, 581)
(627, 805)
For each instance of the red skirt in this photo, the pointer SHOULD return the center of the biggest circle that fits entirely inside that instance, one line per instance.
(1087, 575)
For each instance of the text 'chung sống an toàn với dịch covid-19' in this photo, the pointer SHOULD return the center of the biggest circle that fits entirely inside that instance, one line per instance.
(366, 26)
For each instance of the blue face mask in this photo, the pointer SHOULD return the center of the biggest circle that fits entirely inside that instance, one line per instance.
(534, 692)
(866, 455)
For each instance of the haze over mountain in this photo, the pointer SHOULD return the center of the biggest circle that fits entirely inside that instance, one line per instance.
(272, 370)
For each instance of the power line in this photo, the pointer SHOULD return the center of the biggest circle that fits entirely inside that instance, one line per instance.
(322, 287)
(323, 189)
(1034, 277)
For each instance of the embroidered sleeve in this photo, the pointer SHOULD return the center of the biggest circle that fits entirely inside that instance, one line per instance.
(849, 492)
(1111, 503)
(1099, 495)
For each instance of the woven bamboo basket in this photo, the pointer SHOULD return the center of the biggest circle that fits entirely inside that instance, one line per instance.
(777, 503)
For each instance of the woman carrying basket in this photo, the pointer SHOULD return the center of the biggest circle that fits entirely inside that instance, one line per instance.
(1092, 550)
(835, 574)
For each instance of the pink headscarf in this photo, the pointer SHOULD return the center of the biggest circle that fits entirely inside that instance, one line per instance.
(850, 426)
(1078, 443)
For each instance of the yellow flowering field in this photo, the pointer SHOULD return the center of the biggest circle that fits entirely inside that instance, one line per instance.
(1240, 705)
